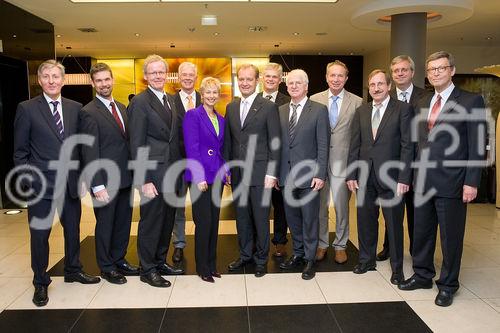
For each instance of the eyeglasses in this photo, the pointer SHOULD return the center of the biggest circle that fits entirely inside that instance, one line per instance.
(439, 69)
(157, 73)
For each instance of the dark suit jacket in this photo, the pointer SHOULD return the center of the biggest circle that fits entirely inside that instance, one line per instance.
(416, 95)
(204, 146)
(263, 121)
(392, 142)
(182, 111)
(148, 128)
(280, 98)
(37, 141)
(110, 142)
(449, 180)
(310, 144)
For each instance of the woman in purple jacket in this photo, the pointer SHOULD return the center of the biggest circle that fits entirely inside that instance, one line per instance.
(203, 131)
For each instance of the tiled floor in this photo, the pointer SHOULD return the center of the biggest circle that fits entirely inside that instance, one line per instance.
(336, 300)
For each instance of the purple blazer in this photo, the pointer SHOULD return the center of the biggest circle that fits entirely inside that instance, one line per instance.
(204, 146)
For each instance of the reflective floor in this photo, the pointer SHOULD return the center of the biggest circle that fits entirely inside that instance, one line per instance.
(336, 300)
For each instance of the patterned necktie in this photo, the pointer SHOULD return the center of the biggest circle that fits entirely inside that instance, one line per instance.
(434, 113)
(57, 118)
(333, 113)
(190, 104)
(403, 96)
(244, 112)
(376, 120)
(293, 121)
(269, 97)
(115, 115)
(167, 110)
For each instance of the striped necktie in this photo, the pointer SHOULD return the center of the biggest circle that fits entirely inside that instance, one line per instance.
(293, 121)
(57, 119)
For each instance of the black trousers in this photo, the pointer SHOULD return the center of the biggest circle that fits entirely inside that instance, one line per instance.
(280, 225)
(254, 215)
(112, 230)
(368, 214)
(154, 232)
(410, 213)
(69, 217)
(303, 221)
(450, 215)
(206, 220)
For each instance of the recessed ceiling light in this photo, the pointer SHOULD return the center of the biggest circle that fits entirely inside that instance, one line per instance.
(13, 212)
(58, 36)
(14, 36)
(296, 33)
(137, 34)
(489, 38)
(191, 29)
(216, 34)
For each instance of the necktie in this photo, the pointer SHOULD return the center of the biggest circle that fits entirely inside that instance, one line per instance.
(293, 121)
(244, 112)
(269, 97)
(190, 104)
(403, 96)
(115, 115)
(376, 120)
(57, 118)
(167, 110)
(333, 113)
(434, 113)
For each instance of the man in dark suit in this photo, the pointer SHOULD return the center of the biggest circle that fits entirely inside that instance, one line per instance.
(186, 98)
(380, 135)
(402, 71)
(271, 79)
(106, 121)
(305, 136)
(451, 117)
(154, 127)
(252, 138)
(41, 126)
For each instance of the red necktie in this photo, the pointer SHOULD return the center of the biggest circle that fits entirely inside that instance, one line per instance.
(117, 118)
(434, 113)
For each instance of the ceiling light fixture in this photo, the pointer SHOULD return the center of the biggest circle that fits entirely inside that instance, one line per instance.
(209, 20)
(58, 36)
(296, 33)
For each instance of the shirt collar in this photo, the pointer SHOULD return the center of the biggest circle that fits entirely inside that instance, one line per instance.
(105, 101)
(48, 99)
(249, 99)
(274, 94)
(158, 94)
(408, 91)
(184, 95)
(384, 103)
(445, 94)
(340, 95)
(301, 103)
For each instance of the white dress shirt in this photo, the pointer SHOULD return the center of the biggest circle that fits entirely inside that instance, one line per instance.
(184, 98)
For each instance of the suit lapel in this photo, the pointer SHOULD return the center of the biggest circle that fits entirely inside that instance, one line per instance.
(346, 101)
(389, 110)
(173, 111)
(205, 119)
(449, 106)
(256, 105)
(156, 105)
(47, 114)
(107, 114)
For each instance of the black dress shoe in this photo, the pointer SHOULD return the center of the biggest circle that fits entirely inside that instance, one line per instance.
(156, 280)
(237, 264)
(292, 262)
(178, 254)
(114, 277)
(166, 269)
(362, 268)
(216, 274)
(413, 284)
(207, 278)
(41, 296)
(444, 298)
(260, 270)
(383, 255)
(308, 273)
(397, 278)
(127, 269)
(81, 277)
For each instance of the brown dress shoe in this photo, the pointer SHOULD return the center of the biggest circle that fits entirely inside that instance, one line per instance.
(279, 250)
(320, 254)
(340, 256)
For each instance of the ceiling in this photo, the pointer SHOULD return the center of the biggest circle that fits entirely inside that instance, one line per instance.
(323, 28)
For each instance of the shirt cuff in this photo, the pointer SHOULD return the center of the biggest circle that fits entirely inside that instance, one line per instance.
(98, 188)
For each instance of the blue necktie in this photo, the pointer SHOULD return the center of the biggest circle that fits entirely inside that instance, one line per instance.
(333, 113)
(57, 118)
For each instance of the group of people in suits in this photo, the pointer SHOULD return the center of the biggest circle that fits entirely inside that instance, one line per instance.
(292, 152)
